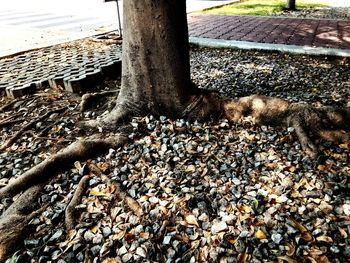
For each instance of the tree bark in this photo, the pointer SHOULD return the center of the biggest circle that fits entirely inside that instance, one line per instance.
(290, 5)
(155, 61)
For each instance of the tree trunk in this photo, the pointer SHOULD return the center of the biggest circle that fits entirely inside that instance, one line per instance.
(155, 62)
(290, 5)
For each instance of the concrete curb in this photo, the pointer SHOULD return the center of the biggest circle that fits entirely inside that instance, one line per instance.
(315, 51)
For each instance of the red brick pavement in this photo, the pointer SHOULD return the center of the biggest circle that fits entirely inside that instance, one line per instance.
(274, 30)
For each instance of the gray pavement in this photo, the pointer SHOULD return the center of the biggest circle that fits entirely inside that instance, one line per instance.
(26, 25)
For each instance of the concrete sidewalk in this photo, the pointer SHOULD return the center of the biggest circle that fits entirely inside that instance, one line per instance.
(26, 25)
(308, 36)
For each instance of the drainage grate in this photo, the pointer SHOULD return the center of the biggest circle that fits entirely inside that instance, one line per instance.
(74, 66)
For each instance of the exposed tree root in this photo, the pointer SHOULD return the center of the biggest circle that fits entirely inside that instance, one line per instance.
(11, 140)
(88, 99)
(14, 221)
(118, 116)
(79, 150)
(204, 105)
(332, 124)
(309, 123)
(71, 212)
(47, 128)
(10, 121)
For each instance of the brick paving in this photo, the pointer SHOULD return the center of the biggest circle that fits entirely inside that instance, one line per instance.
(272, 30)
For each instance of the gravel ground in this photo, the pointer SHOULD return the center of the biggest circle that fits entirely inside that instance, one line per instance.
(202, 192)
(319, 13)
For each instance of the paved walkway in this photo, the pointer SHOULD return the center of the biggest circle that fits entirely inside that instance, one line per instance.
(333, 34)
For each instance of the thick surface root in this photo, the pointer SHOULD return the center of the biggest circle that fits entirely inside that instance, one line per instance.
(80, 150)
(14, 221)
(310, 123)
(71, 212)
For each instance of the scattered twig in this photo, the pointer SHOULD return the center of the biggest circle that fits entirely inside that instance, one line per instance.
(10, 120)
(47, 128)
(11, 140)
(9, 104)
(71, 212)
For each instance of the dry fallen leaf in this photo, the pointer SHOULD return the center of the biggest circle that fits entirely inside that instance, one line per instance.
(94, 229)
(242, 257)
(260, 234)
(344, 146)
(120, 235)
(326, 239)
(287, 259)
(343, 233)
(134, 206)
(230, 239)
(299, 226)
(192, 220)
(246, 209)
(291, 249)
(315, 252)
(96, 192)
(292, 169)
(305, 234)
(111, 260)
(323, 259)
(312, 260)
